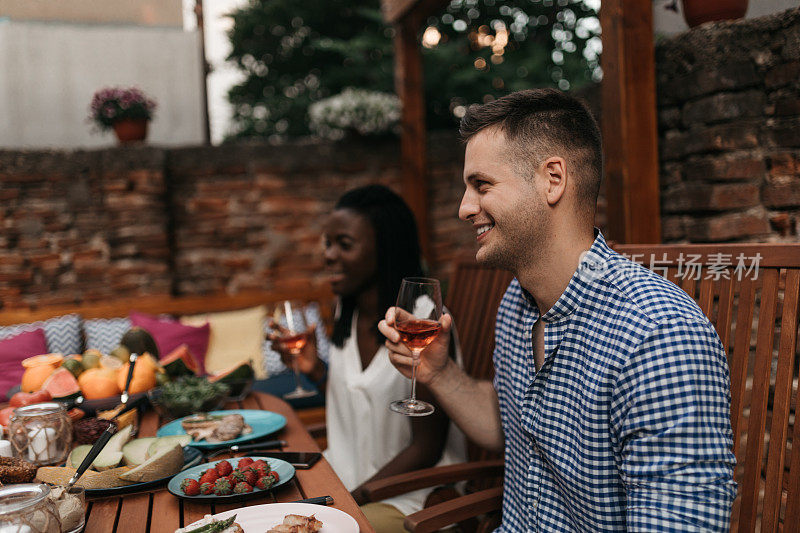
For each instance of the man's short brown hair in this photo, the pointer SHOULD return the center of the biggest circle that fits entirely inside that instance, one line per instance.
(541, 123)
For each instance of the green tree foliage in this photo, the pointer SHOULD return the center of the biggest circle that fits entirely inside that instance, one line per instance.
(295, 53)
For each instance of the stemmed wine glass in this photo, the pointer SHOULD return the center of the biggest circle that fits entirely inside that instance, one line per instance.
(289, 329)
(419, 308)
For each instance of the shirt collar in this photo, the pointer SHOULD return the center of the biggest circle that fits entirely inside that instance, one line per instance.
(593, 264)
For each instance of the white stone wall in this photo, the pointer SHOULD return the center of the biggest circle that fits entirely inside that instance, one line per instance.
(49, 72)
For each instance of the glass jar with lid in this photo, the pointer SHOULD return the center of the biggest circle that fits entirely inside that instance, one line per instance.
(41, 433)
(26, 508)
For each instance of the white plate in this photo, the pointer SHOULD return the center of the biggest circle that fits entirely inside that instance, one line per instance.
(260, 518)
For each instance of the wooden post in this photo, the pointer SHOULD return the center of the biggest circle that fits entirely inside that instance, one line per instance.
(413, 141)
(629, 122)
(198, 12)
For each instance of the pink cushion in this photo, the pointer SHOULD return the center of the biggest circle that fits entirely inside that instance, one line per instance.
(12, 351)
(169, 334)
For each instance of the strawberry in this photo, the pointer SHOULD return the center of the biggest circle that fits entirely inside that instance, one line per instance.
(259, 462)
(244, 462)
(275, 475)
(261, 470)
(190, 487)
(209, 476)
(222, 487)
(223, 468)
(238, 475)
(265, 482)
(206, 488)
(251, 476)
(242, 487)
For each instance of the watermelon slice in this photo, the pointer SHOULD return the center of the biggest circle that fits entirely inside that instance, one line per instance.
(238, 377)
(180, 362)
(62, 385)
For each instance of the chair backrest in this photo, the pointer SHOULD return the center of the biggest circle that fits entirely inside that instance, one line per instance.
(473, 297)
(750, 294)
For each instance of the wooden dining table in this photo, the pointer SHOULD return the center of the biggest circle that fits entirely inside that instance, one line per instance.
(158, 511)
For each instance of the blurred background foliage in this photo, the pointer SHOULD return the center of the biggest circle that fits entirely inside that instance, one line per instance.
(295, 53)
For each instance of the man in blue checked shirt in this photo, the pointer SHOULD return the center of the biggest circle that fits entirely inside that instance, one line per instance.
(611, 390)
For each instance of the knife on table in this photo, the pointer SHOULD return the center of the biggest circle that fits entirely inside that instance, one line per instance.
(251, 446)
(319, 500)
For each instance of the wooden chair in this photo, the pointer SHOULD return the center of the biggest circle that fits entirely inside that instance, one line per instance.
(755, 313)
(473, 297)
(751, 294)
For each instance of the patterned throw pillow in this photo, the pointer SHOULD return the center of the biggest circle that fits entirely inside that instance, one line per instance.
(104, 334)
(235, 337)
(169, 334)
(63, 333)
(13, 350)
(272, 360)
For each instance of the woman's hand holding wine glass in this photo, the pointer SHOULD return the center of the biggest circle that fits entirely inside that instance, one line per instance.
(307, 359)
(290, 334)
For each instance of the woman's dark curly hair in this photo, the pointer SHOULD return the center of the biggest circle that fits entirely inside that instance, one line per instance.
(396, 247)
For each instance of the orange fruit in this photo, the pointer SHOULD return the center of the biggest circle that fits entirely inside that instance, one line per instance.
(37, 369)
(144, 375)
(98, 383)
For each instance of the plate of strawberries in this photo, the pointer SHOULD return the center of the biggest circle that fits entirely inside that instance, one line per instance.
(235, 478)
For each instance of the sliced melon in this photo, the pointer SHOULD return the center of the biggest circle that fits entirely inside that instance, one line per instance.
(78, 455)
(134, 453)
(168, 442)
(238, 377)
(180, 362)
(166, 462)
(111, 455)
(62, 385)
(60, 475)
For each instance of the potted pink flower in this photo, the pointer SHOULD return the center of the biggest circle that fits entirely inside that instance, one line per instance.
(125, 110)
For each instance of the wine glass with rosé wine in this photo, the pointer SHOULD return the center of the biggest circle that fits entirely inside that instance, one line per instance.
(289, 330)
(419, 308)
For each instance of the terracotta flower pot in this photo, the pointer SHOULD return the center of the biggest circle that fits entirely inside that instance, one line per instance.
(697, 12)
(131, 130)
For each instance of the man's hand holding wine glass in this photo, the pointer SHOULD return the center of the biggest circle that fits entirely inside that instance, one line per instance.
(433, 358)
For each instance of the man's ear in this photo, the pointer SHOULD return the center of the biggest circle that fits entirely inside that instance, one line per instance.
(554, 170)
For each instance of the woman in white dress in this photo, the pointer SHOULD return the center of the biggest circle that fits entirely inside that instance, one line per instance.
(371, 244)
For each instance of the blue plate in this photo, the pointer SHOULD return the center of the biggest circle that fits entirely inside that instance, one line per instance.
(191, 457)
(262, 422)
(285, 472)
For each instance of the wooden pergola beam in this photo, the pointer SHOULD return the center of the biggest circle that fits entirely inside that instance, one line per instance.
(407, 17)
(414, 140)
(629, 122)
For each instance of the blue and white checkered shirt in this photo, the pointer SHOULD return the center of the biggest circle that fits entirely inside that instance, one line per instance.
(626, 426)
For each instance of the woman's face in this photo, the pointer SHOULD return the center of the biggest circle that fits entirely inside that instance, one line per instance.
(349, 242)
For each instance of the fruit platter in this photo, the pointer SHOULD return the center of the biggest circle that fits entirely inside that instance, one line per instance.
(94, 381)
(234, 478)
(125, 464)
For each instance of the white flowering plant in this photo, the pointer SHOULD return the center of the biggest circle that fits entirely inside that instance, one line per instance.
(354, 110)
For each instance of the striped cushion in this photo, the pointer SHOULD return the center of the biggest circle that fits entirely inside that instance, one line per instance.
(63, 333)
(104, 334)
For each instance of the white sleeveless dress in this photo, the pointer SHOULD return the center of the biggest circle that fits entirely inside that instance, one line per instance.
(363, 434)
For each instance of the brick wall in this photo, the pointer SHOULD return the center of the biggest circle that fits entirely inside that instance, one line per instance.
(94, 225)
(82, 226)
(729, 121)
(88, 226)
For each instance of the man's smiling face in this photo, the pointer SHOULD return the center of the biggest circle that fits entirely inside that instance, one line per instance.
(502, 206)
